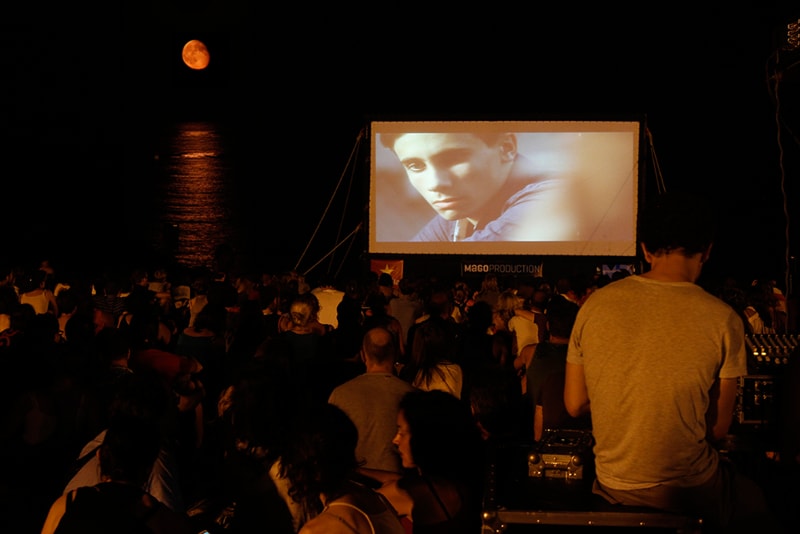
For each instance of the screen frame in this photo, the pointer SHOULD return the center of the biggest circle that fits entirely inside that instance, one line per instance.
(625, 247)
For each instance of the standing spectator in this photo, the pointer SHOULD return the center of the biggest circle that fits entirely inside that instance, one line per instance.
(329, 298)
(239, 479)
(386, 287)
(432, 364)
(476, 344)
(67, 300)
(118, 503)
(407, 307)
(200, 282)
(444, 455)
(438, 306)
(523, 326)
(376, 313)
(34, 291)
(371, 401)
(545, 373)
(322, 467)
(107, 299)
(489, 291)
(657, 359)
(142, 395)
(757, 309)
(9, 301)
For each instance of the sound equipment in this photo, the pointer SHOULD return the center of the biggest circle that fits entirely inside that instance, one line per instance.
(769, 353)
(561, 453)
(757, 398)
(540, 486)
(759, 393)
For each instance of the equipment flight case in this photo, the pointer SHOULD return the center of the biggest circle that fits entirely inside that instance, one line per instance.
(546, 486)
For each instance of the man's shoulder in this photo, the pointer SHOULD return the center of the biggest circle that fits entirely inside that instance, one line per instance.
(405, 301)
(629, 283)
(368, 380)
(547, 350)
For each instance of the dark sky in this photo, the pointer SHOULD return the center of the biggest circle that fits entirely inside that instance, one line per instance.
(300, 83)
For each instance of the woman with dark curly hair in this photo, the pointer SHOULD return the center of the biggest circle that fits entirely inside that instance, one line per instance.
(442, 450)
(322, 469)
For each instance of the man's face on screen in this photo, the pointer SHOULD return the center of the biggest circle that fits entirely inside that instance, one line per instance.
(455, 172)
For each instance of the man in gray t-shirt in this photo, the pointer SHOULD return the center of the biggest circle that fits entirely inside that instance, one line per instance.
(656, 360)
(371, 400)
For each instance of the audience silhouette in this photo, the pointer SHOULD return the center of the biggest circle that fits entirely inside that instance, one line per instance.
(244, 356)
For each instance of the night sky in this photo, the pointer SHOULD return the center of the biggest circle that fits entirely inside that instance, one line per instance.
(85, 93)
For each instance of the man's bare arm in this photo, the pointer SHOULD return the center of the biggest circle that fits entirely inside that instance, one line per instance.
(576, 397)
(721, 407)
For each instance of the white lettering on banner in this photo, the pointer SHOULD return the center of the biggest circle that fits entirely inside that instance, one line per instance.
(502, 268)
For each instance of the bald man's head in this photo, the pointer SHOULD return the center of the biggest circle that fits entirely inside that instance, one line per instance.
(379, 346)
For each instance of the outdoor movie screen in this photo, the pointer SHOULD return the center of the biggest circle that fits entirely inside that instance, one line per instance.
(504, 187)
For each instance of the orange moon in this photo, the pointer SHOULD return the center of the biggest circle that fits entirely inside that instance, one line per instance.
(195, 55)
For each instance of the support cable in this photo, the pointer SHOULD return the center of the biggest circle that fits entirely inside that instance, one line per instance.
(353, 152)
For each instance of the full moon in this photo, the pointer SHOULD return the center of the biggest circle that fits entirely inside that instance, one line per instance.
(195, 55)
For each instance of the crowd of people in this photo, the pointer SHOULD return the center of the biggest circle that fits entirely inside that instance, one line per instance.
(192, 399)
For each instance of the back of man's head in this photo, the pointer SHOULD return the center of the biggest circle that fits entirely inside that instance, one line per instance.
(677, 222)
(379, 347)
(440, 304)
(561, 314)
(385, 280)
(406, 286)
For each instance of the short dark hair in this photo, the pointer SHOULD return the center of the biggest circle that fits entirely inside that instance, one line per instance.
(406, 286)
(677, 222)
(561, 314)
